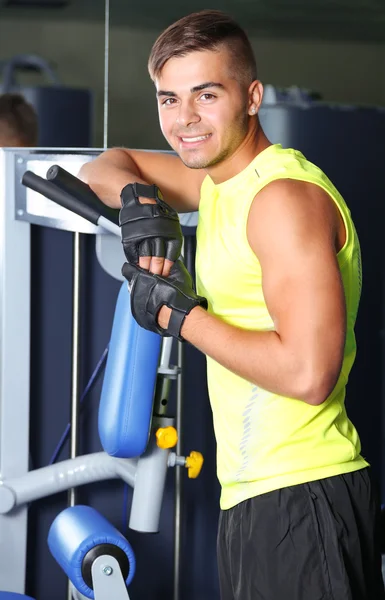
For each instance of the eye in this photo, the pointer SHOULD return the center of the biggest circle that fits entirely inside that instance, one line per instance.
(207, 96)
(168, 101)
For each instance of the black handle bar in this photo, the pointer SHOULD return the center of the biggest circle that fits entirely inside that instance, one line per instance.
(81, 191)
(71, 193)
(52, 192)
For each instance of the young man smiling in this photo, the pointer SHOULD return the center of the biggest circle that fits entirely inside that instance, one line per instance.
(279, 281)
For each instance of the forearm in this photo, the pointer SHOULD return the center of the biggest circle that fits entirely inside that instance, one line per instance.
(109, 173)
(257, 356)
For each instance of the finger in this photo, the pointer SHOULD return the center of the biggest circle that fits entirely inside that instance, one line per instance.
(173, 250)
(144, 262)
(158, 247)
(131, 253)
(156, 266)
(129, 271)
(167, 267)
(145, 248)
(145, 254)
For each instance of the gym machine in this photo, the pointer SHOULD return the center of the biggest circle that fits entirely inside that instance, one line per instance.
(137, 435)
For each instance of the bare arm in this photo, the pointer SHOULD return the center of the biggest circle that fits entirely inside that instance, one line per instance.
(292, 228)
(112, 170)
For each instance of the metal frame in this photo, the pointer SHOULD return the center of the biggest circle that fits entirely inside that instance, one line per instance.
(32, 207)
(19, 208)
(107, 580)
(18, 490)
(14, 361)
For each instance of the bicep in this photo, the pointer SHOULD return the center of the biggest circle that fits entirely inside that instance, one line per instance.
(180, 185)
(293, 237)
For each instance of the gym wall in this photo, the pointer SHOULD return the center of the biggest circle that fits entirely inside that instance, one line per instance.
(346, 72)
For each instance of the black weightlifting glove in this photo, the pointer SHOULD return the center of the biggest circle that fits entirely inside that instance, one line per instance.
(148, 229)
(150, 292)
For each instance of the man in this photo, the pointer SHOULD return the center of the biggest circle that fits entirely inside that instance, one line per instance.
(18, 122)
(279, 281)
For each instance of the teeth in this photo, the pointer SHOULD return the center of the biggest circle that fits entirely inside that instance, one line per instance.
(195, 139)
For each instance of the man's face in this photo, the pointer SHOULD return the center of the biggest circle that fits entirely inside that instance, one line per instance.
(202, 107)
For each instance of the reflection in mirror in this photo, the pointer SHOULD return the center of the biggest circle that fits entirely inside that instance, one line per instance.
(53, 56)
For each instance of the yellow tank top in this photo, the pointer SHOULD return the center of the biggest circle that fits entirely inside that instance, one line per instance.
(266, 441)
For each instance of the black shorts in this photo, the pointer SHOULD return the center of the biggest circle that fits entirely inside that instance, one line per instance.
(314, 541)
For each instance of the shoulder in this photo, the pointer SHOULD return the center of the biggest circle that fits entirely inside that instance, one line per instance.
(292, 194)
(290, 207)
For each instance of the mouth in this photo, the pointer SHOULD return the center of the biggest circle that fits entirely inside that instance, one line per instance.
(193, 141)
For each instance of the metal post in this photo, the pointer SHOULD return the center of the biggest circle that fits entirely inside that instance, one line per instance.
(76, 324)
(178, 478)
(106, 70)
(163, 380)
(189, 257)
(15, 292)
(75, 393)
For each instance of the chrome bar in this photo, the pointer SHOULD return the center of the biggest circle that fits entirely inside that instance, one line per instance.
(179, 473)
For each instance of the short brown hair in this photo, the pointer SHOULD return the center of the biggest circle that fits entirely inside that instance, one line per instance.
(204, 30)
(18, 119)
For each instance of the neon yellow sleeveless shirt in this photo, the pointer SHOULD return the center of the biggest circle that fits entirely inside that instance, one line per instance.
(266, 441)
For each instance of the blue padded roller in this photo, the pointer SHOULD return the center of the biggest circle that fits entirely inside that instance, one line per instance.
(126, 401)
(78, 536)
(13, 596)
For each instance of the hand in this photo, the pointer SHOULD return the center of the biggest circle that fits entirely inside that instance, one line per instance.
(158, 265)
(150, 228)
(149, 293)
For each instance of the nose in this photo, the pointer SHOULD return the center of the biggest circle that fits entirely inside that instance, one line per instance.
(187, 114)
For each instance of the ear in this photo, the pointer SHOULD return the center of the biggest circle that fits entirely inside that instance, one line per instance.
(255, 94)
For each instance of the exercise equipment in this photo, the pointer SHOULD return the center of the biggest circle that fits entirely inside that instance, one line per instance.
(64, 113)
(93, 554)
(136, 434)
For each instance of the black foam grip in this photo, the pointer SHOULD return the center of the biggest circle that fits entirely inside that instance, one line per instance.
(54, 193)
(77, 188)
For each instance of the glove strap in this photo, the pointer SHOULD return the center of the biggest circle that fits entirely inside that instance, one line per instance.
(178, 316)
(175, 323)
(136, 190)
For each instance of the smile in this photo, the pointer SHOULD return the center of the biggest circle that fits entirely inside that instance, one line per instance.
(194, 140)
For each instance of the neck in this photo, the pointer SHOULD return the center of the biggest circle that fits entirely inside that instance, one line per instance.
(253, 144)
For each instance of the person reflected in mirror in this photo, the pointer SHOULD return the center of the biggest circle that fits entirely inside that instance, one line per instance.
(18, 122)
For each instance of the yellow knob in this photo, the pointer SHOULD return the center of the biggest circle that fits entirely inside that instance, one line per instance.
(166, 437)
(194, 464)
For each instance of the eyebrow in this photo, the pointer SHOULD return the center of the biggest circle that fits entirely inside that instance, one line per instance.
(193, 90)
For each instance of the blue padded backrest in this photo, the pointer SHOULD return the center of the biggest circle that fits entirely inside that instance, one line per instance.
(126, 401)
